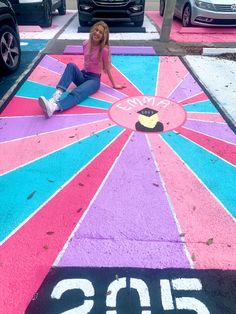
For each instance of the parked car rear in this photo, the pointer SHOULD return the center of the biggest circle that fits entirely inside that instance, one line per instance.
(37, 12)
(207, 13)
(122, 11)
(10, 52)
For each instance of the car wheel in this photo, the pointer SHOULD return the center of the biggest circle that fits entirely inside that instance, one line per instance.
(10, 52)
(62, 8)
(162, 7)
(186, 17)
(47, 14)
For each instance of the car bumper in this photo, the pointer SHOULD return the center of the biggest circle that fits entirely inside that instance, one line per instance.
(117, 17)
(110, 13)
(29, 13)
(205, 17)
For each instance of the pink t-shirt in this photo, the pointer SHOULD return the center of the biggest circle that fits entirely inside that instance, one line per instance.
(93, 65)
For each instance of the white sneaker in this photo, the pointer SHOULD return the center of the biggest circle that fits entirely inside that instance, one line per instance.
(57, 95)
(48, 106)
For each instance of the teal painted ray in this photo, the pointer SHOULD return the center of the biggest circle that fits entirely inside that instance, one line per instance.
(32, 44)
(28, 187)
(95, 103)
(142, 71)
(218, 175)
(35, 90)
(202, 106)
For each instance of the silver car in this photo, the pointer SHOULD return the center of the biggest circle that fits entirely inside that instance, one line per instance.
(207, 13)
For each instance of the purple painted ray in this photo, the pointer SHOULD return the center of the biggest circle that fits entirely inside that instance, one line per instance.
(130, 223)
(112, 92)
(218, 130)
(131, 50)
(188, 88)
(52, 64)
(123, 50)
(14, 128)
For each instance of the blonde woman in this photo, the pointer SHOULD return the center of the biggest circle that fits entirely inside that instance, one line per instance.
(96, 52)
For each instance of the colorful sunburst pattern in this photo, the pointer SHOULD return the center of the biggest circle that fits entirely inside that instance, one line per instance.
(81, 190)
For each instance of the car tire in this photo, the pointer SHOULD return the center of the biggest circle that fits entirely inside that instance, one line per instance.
(47, 14)
(186, 17)
(10, 53)
(162, 7)
(62, 8)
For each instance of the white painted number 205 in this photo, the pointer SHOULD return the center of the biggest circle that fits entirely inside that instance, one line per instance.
(184, 303)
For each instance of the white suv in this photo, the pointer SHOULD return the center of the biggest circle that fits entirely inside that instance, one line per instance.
(37, 12)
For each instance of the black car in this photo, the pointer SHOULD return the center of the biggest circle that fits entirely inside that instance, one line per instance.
(10, 52)
(37, 12)
(122, 11)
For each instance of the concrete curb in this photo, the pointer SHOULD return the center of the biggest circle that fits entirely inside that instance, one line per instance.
(217, 51)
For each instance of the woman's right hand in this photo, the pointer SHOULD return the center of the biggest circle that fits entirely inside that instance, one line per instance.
(119, 86)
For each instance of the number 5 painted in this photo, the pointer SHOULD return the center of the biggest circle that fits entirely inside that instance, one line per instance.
(185, 303)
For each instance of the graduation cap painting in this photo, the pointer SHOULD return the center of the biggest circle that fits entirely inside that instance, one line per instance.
(148, 121)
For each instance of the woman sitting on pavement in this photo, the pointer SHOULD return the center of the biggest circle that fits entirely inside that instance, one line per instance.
(96, 52)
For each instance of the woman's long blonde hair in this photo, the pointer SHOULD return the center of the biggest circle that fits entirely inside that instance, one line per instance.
(104, 42)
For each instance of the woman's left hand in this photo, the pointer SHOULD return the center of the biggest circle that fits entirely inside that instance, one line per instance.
(119, 86)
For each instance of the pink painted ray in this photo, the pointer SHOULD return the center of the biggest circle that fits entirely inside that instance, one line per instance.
(171, 73)
(44, 76)
(213, 117)
(193, 99)
(37, 146)
(199, 214)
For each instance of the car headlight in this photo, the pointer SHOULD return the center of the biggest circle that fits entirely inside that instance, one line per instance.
(205, 5)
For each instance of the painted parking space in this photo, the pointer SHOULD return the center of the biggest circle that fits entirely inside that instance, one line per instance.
(195, 34)
(131, 190)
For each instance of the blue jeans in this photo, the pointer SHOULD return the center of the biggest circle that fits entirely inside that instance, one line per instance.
(87, 83)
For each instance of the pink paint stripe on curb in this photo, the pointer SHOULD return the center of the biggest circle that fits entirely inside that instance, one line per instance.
(30, 28)
(200, 216)
(220, 35)
(28, 255)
